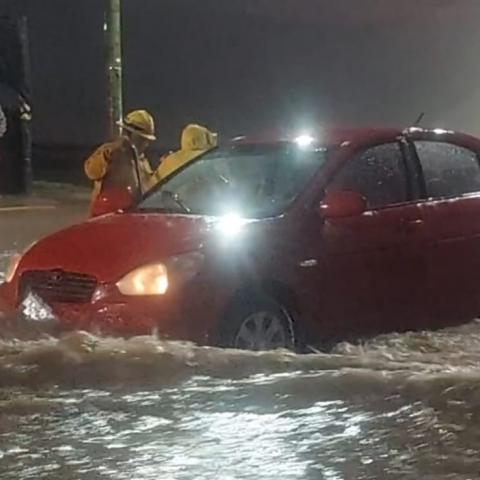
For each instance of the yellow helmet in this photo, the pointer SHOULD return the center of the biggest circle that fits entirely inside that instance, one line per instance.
(141, 123)
(197, 137)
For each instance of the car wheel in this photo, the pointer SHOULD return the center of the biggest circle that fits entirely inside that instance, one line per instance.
(257, 324)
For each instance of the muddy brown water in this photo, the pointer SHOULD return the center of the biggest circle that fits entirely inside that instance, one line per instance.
(84, 407)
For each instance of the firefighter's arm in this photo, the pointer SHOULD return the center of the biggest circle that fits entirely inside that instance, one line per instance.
(167, 165)
(96, 166)
(149, 176)
(157, 176)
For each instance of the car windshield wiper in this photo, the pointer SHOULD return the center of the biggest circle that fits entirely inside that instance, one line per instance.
(174, 197)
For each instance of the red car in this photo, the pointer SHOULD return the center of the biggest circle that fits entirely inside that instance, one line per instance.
(277, 244)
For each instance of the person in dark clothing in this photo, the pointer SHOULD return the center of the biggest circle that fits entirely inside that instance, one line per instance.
(3, 123)
(15, 144)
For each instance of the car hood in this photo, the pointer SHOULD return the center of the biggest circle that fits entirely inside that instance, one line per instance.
(109, 247)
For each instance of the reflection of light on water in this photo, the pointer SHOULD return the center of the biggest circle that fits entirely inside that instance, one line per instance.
(352, 428)
(246, 444)
(34, 309)
(249, 444)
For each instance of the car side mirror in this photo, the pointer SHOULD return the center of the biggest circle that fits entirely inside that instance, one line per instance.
(341, 204)
(112, 200)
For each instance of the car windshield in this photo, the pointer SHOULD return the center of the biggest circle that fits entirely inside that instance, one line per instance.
(254, 182)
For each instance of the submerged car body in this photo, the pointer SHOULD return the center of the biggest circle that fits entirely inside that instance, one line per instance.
(354, 233)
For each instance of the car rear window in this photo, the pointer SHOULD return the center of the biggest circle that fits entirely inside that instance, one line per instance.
(449, 170)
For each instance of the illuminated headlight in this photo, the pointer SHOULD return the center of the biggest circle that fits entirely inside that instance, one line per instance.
(12, 267)
(157, 278)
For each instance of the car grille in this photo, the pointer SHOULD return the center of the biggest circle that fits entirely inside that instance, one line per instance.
(58, 286)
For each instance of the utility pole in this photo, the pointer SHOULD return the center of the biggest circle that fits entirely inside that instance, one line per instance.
(113, 30)
(25, 109)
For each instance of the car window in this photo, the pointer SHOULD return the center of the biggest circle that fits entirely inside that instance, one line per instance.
(378, 174)
(449, 170)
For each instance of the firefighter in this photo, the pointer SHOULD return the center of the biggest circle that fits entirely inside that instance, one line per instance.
(195, 141)
(122, 163)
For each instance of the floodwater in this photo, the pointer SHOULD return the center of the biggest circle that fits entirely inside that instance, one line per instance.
(84, 407)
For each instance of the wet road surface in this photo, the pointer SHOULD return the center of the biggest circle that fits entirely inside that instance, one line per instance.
(84, 407)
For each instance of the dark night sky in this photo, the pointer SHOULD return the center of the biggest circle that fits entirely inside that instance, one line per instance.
(244, 65)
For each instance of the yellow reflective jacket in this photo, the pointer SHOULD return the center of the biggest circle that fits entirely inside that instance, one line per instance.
(195, 141)
(113, 165)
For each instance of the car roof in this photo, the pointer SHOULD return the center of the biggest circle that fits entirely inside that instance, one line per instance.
(336, 136)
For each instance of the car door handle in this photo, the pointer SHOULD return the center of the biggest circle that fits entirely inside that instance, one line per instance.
(411, 226)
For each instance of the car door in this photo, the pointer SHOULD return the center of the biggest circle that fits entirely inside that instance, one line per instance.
(372, 271)
(451, 173)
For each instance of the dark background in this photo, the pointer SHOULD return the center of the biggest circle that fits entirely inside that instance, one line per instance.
(241, 66)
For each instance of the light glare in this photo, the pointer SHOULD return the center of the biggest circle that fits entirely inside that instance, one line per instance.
(304, 140)
(231, 224)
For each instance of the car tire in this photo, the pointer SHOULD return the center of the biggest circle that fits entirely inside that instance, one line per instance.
(258, 323)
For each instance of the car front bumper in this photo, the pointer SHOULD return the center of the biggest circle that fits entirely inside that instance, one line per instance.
(111, 314)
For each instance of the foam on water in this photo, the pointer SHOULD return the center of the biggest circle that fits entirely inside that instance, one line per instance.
(434, 363)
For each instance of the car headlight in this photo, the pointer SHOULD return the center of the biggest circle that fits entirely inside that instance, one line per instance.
(12, 267)
(157, 278)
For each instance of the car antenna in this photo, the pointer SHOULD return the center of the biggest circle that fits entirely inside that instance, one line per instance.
(419, 119)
